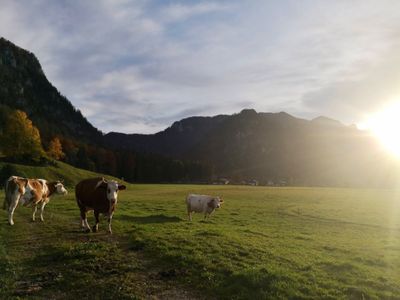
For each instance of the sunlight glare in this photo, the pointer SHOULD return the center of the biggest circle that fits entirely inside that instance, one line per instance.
(385, 125)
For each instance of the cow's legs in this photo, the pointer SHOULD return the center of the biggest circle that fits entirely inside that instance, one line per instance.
(96, 225)
(34, 210)
(189, 211)
(42, 210)
(11, 210)
(84, 222)
(109, 223)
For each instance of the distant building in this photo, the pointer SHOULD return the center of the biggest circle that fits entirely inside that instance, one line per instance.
(253, 182)
(223, 181)
(282, 182)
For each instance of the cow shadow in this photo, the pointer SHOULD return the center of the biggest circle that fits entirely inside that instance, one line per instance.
(152, 219)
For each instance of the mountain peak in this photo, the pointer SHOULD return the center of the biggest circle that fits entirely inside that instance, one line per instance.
(327, 121)
(248, 111)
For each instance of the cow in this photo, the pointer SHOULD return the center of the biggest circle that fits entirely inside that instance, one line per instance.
(99, 195)
(30, 192)
(39, 191)
(202, 204)
(14, 188)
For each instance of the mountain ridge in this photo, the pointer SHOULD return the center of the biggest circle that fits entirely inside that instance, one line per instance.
(268, 147)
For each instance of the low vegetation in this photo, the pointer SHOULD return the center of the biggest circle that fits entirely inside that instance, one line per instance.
(56, 171)
(264, 243)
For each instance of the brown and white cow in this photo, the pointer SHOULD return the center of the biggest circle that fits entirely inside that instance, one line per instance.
(202, 204)
(31, 193)
(99, 195)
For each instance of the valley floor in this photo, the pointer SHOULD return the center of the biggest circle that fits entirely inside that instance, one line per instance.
(263, 243)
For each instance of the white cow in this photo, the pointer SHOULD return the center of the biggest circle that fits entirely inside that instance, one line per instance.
(202, 204)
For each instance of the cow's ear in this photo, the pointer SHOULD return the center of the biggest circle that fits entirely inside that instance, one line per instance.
(101, 184)
(221, 199)
(121, 187)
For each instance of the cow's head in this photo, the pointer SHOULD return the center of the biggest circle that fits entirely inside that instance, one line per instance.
(215, 202)
(60, 188)
(112, 187)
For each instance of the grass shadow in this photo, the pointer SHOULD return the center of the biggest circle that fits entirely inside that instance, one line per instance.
(151, 219)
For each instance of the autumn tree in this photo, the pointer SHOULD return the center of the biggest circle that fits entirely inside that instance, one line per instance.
(20, 139)
(55, 149)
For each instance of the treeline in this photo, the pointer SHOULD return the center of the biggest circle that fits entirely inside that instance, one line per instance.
(132, 166)
(21, 142)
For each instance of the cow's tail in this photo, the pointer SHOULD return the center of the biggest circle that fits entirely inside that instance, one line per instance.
(5, 203)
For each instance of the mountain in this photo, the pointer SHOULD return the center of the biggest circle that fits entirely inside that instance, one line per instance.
(326, 121)
(272, 147)
(174, 141)
(268, 147)
(24, 86)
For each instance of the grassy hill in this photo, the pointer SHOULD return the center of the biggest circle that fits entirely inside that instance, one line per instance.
(264, 243)
(61, 171)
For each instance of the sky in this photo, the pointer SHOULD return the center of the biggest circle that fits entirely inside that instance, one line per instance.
(138, 66)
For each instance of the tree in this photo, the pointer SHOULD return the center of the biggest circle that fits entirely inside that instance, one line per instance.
(55, 149)
(5, 172)
(20, 139)
(70, 149)
(83, 159)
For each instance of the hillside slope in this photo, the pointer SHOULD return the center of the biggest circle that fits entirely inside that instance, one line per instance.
(61, 171)
(24, 86)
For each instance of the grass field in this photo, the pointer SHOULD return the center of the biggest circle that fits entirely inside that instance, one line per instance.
(264, 243)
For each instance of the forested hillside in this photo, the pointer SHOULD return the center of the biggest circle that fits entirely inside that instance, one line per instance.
(24, 87)
(273, 148)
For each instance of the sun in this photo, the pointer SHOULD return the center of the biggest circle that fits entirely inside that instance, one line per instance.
(385, 125)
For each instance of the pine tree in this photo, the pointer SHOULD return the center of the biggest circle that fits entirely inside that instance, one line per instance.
(20, 139)
(55, 149)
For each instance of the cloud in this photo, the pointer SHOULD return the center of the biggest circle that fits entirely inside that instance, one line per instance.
(138, 66)
(360, 96)
(176, 12)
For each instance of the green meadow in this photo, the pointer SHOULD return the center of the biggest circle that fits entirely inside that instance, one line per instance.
(264, 243)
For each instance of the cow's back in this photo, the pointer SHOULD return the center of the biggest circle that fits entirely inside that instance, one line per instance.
(36, 190)
(88, 196)
(197, 203)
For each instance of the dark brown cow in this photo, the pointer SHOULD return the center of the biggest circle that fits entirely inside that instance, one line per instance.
(99, 195)
(30, 192)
